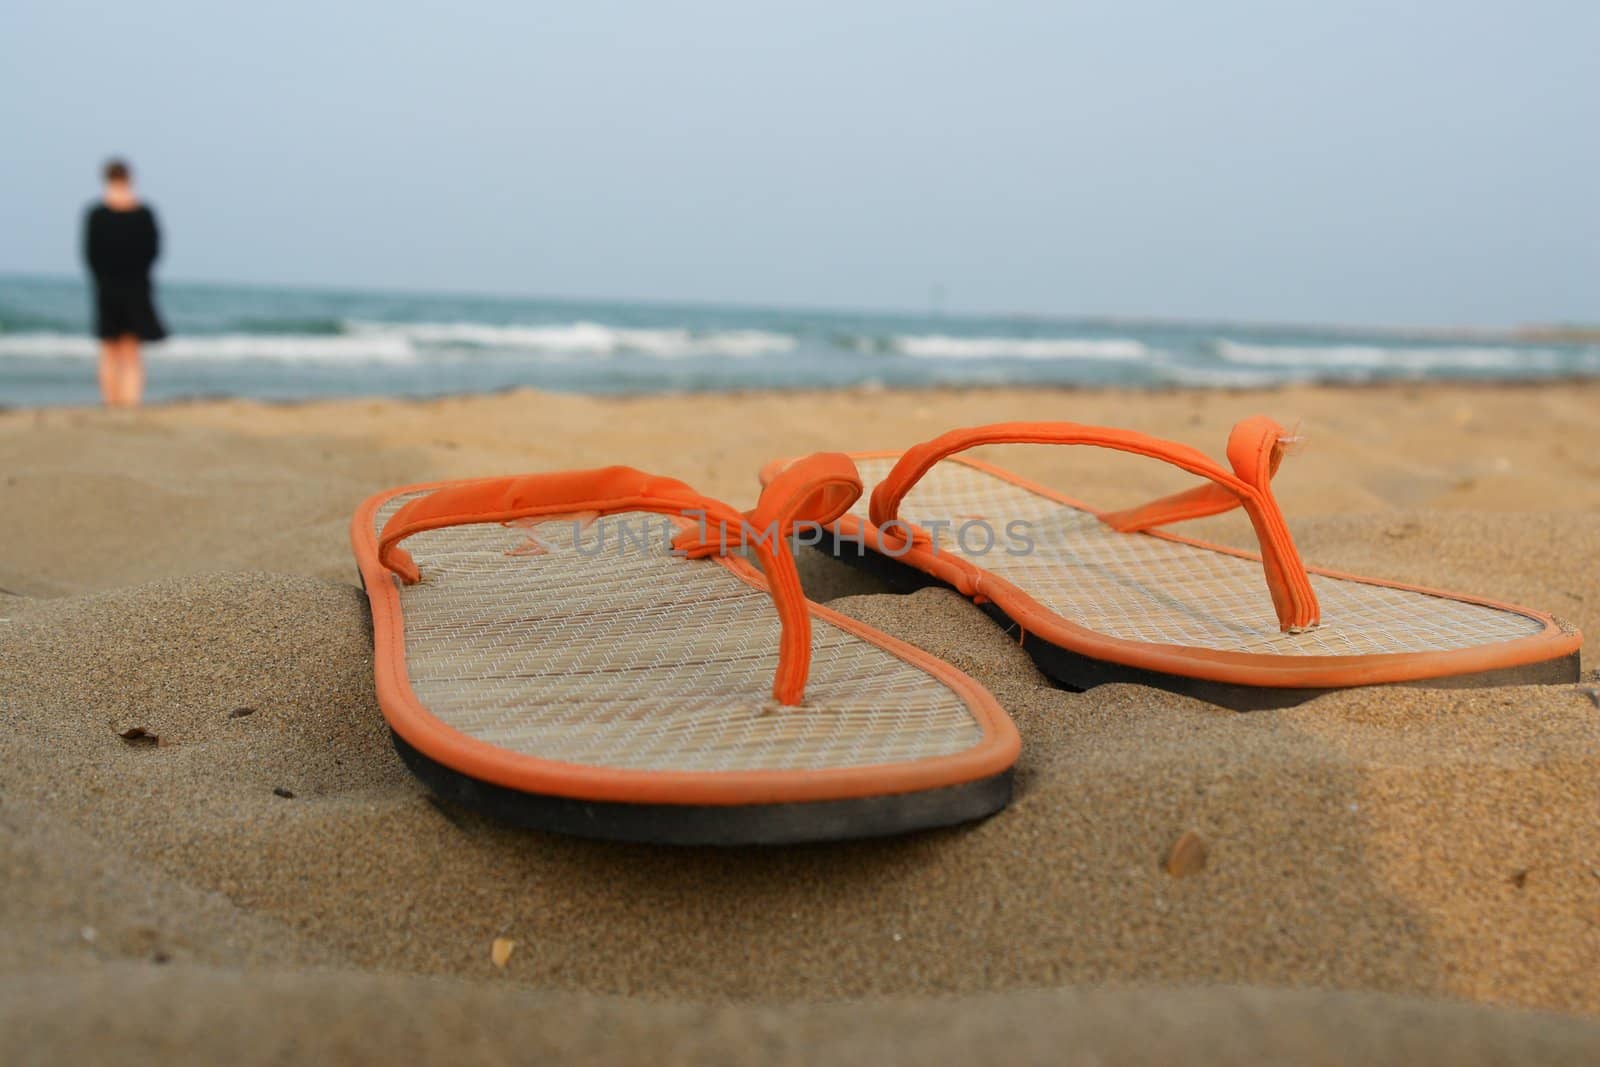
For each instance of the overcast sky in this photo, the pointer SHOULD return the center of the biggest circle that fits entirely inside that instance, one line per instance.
(1432, 162)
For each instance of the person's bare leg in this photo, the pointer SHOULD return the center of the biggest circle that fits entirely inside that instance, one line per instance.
(109, 373)
(132, 369)
(127, 376)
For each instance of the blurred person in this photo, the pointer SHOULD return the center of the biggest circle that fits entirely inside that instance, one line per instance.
(120, 244)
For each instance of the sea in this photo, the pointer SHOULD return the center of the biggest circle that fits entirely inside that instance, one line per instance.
(292, 344)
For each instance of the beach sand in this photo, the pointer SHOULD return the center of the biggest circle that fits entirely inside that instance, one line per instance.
(1393, 875)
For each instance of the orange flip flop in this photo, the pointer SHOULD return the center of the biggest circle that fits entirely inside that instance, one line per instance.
(1109, 596)
(586, 652)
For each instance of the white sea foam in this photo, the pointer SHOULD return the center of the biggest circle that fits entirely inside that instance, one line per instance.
(1377, 358)
(281, 348)
(583, 338)
(373, 342)
(944, 346)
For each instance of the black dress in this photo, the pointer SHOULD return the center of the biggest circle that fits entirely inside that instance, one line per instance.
(121, 246)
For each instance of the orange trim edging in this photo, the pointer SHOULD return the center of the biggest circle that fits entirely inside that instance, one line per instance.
(1239, 668)
(995, 752)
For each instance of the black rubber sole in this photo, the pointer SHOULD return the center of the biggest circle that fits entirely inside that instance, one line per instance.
(682, 824)
(1072, 670)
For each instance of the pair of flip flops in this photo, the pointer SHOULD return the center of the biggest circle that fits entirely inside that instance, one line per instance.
(592, 652)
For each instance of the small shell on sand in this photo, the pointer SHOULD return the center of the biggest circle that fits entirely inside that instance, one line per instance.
(1187, 856)
(501, 950)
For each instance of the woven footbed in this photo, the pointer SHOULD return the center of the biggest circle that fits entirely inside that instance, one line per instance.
(1150, 589)
(551, 641)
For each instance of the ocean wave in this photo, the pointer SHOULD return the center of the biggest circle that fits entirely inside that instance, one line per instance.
(282, 348)
(1379, 358)
(582, 338)
(378, 342)
(16, 320)
(944, 346)
(311, 325)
